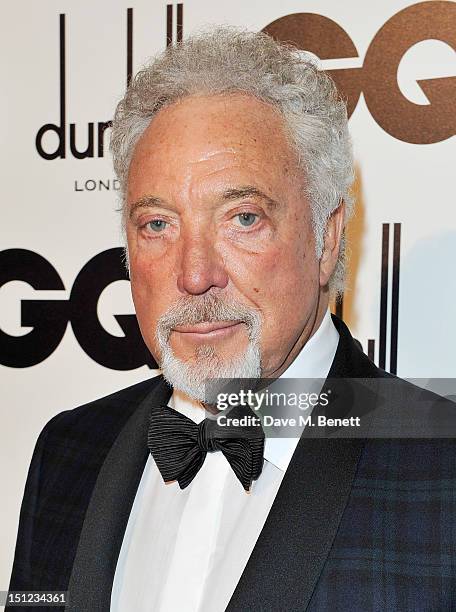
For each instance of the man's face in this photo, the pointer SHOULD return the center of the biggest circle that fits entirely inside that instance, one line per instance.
(216, 209)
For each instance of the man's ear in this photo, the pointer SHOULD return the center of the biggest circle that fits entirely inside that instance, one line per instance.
(331, 245)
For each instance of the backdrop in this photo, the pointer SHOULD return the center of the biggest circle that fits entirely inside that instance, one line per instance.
(67, 330)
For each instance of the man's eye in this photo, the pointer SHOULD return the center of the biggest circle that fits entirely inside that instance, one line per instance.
(157, 225)
(247, 219)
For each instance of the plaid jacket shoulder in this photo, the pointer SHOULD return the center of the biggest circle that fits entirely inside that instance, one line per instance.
(395, 548)
(396, 542)
(65, 464)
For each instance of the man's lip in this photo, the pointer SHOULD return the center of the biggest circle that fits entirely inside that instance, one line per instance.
(205, 328)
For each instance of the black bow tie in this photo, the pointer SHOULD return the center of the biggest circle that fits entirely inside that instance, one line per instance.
(179, 446)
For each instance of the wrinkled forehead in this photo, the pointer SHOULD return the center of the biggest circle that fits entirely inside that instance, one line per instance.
(213, 133)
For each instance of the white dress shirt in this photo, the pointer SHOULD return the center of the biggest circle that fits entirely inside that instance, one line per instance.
(184, 550)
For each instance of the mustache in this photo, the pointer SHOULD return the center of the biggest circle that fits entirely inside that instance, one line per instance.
(194, 309)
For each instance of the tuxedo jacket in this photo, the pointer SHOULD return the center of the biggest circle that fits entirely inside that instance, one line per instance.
(357, 525)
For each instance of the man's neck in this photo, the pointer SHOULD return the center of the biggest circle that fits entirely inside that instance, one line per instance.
(309, 330)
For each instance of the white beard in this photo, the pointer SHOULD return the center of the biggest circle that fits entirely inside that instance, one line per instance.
(199, 379)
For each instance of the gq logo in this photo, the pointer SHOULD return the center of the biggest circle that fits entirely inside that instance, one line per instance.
(49, 318)
(377, 78)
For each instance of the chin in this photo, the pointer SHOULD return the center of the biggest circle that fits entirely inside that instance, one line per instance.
(203, 376)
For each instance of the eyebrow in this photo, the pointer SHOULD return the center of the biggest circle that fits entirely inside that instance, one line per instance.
(146, 202)
(239, 193)
(236, 193)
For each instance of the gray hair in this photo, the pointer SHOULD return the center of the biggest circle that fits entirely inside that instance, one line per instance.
(226, 60)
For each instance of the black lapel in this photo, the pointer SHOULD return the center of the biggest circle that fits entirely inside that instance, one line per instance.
(290, 553)
(349, 360)
(109, 508)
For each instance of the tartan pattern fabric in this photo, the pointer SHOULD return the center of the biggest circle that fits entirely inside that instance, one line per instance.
(396, 544)
(65, 464)
(394, 548)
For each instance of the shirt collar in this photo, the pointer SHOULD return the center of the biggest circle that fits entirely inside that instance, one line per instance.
(313, 361)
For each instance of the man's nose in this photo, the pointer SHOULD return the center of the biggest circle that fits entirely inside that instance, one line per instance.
(202, 267)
